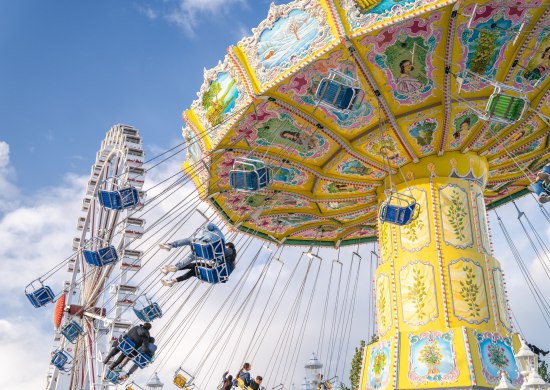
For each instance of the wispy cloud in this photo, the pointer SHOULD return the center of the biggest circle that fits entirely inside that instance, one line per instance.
(8, 190)
(188, 14)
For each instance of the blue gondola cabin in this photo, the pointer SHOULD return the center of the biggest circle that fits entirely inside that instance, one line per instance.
(118, 199)
(101, 257)
(249, 174)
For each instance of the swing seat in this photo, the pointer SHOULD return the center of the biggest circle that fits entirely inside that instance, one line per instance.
(538, 188)
(218, 274)
(101, 257)
(118, 200)
(41, 296)
(149, 313)
(213, 250)
(249, 175)
(59, 359)
(142, 359)
(398, 209)
(337, 95)
(182, 379)
(71, 331)
(114, 377)
(505, 108)
(127, 347)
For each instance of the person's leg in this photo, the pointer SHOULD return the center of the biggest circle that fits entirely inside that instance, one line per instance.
(189, 274)
(182, 264)
(544, 174)
(180, 243)
(112, 353)
(133, 369)
(117, 362)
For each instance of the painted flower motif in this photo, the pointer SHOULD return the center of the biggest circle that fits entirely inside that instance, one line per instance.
(497, 356)
(431, 356)
(380, 360)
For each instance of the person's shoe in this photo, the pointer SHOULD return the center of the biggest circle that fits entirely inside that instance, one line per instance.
(167, 283)
(168, 268)
(544, 198)
(165, 246)
(122, 378)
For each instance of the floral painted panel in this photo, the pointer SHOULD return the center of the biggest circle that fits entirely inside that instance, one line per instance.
(502, 306)
(468, 291)
(432, 358)
(455, 216)
(383, 304)
(378, 376)
(482, 222)
(418, 293)
(391, 51)
(416, 235)
(496, 355)
(484, 45)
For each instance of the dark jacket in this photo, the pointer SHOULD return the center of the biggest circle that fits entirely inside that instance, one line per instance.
(230, 256)
(254, 386)
(149, 349)
(139, 335)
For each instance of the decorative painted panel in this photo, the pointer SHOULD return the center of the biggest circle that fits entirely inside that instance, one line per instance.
(302, 86)
(484, 45)
(416, 235)
(290, 34)
(432, 358)
(378, 376)
(418, 293)
(496, 354)
(220, 96)
(384, 304)
(533, 69)
(500, 292)
(411, 79)
(468, 291)
(455, 216)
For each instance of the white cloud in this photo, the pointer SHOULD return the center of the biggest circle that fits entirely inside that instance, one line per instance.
(188, 14)
(8, 190)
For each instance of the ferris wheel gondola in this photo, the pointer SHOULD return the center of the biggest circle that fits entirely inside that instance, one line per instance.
(99, 290)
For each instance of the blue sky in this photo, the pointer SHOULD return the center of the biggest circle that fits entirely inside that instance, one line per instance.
(69, 70)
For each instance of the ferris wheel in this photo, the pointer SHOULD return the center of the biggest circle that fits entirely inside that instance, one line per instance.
(92, 309)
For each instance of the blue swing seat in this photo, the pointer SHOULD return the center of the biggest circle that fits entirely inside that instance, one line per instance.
(127, 347)
(213, 250)
(398, 209)
(71, 331)
(218, 274)
(149, 313)
(101, 257)
(40, 296)
(118, 200)
(59, 359)
(114, 377)
(249, 174)
(142, 359)
(337, 95)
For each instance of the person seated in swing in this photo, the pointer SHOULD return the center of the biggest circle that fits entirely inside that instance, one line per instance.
(149, 348)
(212, 233)
(230, 255)
(541, 186)
(256, 383)
(244, 375)
(138, 335)
(227, 381)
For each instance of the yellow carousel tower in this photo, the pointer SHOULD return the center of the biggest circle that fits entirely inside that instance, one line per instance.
(442, 314)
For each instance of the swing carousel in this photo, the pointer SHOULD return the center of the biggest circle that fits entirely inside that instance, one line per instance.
(340, 122)
(336, 123)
